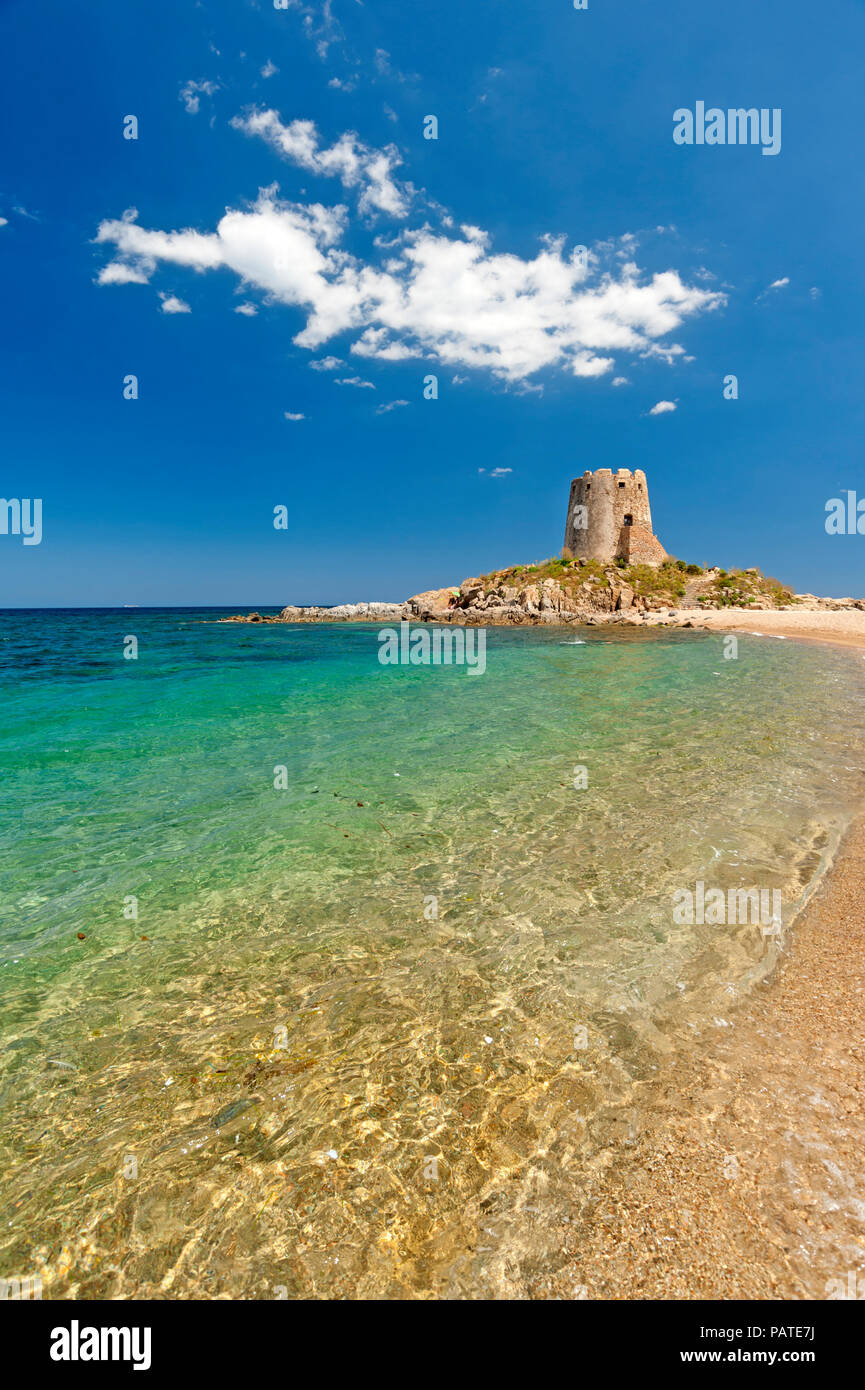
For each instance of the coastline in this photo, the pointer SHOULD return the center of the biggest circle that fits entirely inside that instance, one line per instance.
(845, 628)
(842, 626)
(746, 1181)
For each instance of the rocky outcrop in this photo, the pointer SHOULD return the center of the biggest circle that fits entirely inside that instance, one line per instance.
(545, 602)
(345, 612)
(432, 603)
(480, 603)
(828, 605)
(342, 613)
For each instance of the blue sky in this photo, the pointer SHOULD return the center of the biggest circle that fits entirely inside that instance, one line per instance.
(400, 257)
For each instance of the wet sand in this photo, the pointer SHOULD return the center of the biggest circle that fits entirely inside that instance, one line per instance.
(750, 1182)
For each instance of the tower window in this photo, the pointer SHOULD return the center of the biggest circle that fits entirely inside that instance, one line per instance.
(621, 484)
(629, 520)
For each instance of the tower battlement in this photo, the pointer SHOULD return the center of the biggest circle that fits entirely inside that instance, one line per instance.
(609, 518)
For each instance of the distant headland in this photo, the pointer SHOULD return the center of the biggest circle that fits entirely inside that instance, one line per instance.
(611, 569)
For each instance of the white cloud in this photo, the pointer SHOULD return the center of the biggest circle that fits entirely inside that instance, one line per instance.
(500, 472)
(472, 308)
(665, 352)
(326, 364)
(775, 285)
(269, 69)
(663, 408)
(356, 165)
(621, 381)
(172, 305)
(434, 294)
(492, 75)
(474, 234)
(391, 405)
(319, 25)
(290, 415)
(385, 67)
(354, 381)
(376, 342)
(247, 309)
(192, 92)
(4, 221)
(136, 272)
(814, 292)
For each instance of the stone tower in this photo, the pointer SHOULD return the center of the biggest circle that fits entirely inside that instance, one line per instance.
(609, 518)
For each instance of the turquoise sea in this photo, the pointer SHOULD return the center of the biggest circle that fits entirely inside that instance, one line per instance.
(394, 980)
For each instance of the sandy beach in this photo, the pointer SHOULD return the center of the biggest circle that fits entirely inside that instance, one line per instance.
(749, 1184)
(845, 627)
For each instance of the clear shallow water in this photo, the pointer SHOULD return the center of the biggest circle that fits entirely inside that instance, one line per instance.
(297, 998)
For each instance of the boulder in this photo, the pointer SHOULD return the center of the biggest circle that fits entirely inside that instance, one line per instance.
(529, 598)
(359, 612)
(470, 591)
(432, 601)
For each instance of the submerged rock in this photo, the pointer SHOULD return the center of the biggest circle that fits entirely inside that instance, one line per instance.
(230, 1112)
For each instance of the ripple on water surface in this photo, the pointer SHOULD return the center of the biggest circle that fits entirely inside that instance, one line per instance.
(375, 1032)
